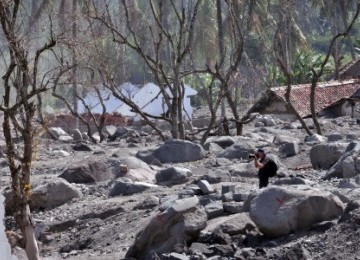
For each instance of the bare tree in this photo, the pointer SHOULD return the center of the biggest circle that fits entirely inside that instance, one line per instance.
(317, 74)
(179, 39)
(19, 108)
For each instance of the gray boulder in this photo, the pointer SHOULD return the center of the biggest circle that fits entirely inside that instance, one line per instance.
(216, 176)
(76, 135)
(124, 186)
(94, 171)
(238, 151)
(205, 187)
(290, 181)
(172, 176)
(278, 211)
(323, 156)
(57, 132)
(173, 151)
(183, 221)
(284, 139)
(235, 224)
(334, 137)
(289, 149)
(135, 169)
(315, 139)
(348, 165)
(53, 194)
(222, 141)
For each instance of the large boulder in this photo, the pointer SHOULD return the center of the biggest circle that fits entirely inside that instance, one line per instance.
(238, 151)
(348, 165)
(172, 176)
(135, 169)
(234, 224)
(173, 151)
(45, 195)
(124, 186)
(53, 194)
(222, 141)
(278, 211)
(325, 155)
(57, 133)
(93, 171)
(183, 222)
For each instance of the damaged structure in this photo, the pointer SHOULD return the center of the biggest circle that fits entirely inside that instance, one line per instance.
(332, 99)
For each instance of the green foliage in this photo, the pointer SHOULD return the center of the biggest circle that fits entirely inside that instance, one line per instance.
(301, 69)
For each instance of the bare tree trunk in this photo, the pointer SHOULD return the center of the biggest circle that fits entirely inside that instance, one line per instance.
(74, 60)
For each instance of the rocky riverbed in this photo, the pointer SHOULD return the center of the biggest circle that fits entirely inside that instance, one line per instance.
(140, 198)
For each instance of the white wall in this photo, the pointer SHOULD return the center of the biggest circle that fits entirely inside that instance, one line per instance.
(5, 250)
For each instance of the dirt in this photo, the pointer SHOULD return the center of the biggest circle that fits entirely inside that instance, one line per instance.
(99, 227)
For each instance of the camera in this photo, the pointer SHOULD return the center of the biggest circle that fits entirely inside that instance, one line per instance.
(252, 156)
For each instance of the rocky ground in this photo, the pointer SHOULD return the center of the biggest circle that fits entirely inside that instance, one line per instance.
(82, 212)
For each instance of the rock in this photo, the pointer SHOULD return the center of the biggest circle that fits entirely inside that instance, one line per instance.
(227, 188)
(3, 163)
(289, 149)
(172, 176)
(56, 132)
(148, 203)
(124, 186)
(334, 137)
(175, 256)
(214, 209)
(243, 170)
(265, 120)
(315, 139)
(215, 148)
(296, 252)
(131, 168)
(290, 181)
(278, 211)
(119, 132)
(237, 151)
(205, 187)
(181, 222)
(76, 135)
(347, 184)
(222, 141)
(61, 153)
(236, 224)
(284, 139)
(348, 165)
(233, 207)
(173, 151)
(65, 138)
(323, 156)
(222, 162)
(53, 194)
(219, 175)
(82, 147)
(94, 171)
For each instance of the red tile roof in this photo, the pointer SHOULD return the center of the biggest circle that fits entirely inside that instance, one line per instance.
(327, 93)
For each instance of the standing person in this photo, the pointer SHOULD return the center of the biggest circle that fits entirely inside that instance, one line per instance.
(267, 167)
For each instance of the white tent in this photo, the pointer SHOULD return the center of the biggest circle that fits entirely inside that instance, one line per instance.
(150, 99)
(111, 103)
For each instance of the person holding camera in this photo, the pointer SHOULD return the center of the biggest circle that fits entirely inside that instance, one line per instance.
(267, 167)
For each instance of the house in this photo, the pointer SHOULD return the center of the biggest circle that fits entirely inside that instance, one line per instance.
(333, 99)
(350, 70)
(151, 100)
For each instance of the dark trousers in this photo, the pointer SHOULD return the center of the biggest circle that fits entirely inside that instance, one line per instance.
(263, 179)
